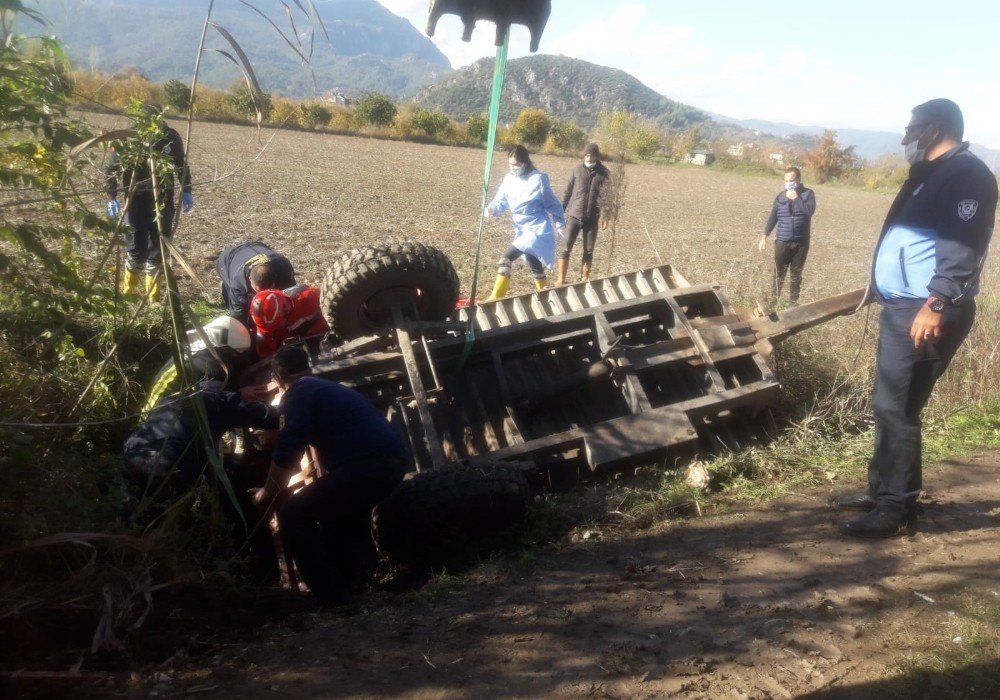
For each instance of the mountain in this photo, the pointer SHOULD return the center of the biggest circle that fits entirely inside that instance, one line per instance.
(868, 144)
(564, 87)
(369, 49)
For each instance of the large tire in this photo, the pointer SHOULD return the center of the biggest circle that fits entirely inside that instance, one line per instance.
(451, 514)
(361, 287)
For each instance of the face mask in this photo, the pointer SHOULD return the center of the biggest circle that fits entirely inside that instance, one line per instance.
(517, 170)
(590, 163)
(914, 153)
(789, 186)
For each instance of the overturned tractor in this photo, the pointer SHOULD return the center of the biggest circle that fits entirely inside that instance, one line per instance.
(504, 398)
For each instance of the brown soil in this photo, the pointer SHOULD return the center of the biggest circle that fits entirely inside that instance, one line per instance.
(768, 602)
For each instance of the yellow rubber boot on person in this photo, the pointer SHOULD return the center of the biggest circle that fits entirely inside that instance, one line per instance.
(561, 266)
(585, 272)
(130, 282)
(500, 288)
(539, 285)
(153, 286)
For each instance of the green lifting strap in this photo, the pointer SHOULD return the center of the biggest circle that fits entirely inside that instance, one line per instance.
(498, 74)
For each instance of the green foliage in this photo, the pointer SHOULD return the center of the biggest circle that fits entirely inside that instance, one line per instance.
(177, 95)
(429, 122)
(828, 160)
(314, 115)
(532, 126)
(247, 103)
(44, 229)
(375, 109)
(565, 136)
(628, 135)
(477, 128)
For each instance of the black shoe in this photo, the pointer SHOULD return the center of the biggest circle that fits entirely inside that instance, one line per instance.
(877, 524)
(855, 501)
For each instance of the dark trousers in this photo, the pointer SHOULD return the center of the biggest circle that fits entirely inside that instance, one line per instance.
(789, 254)
(324, 525)
(142, 238)
(512, 254)
(904, 379)
(573, 228)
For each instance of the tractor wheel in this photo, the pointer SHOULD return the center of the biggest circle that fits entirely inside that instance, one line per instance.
(451, 514)
(361, 288)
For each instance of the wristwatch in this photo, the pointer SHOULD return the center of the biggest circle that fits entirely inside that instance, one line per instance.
(935, 304)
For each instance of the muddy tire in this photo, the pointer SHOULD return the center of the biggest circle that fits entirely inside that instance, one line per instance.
(451, 514)
(360, 288)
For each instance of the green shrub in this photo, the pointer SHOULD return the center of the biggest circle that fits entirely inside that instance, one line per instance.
(375, 109)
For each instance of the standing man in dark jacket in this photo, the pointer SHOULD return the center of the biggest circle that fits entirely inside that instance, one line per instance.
(585, 196)
(792, 214)
(361, 458)
(146, 215)
(926, 275)
(246, 269)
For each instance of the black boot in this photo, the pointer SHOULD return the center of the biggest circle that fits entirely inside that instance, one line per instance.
(877, 524)
(855, 501)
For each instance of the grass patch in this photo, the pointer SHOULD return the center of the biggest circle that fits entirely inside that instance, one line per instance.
(963, 662)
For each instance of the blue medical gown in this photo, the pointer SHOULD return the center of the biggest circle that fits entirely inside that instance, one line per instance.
(535, 210)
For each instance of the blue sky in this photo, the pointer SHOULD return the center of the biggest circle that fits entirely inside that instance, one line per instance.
(846, 64)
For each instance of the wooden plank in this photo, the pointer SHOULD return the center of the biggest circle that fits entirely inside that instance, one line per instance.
(521, 314)
(635, 395)
(431, 438)
(573, 299)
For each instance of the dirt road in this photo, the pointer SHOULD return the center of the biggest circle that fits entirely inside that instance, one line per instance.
(763, 603)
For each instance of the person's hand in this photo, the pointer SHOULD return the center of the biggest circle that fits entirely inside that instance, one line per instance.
(487, 213)
(927, 327)
(255, 392)
(604, 225)
(114, 208)
(792, 194)
(262, 498)
(560, 232)
(187, 202)
(762, 244)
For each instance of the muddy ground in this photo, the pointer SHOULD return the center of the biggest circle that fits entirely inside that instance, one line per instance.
(767, 602)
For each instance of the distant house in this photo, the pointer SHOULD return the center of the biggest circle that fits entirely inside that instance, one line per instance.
(700, 158)
(738, 150)
(337, 97)
(778, 158)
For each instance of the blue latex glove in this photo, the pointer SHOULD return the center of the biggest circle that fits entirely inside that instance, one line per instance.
(114, 208)
(187, 202)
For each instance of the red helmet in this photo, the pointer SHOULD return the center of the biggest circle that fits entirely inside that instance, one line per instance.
(270, 309)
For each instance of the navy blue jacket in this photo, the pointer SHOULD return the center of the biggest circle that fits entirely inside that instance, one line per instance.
(165, 442)
(170, 144)
(793, 217)
(340, 423)
(234, 266)
(937, 232)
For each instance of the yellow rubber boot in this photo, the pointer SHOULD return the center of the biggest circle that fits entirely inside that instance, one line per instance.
(499, 288)
(561, 266)
(130, 282)
(585, 272)
(539, 284)
(153, 286)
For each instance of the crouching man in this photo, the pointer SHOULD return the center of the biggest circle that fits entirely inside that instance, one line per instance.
(360, 457)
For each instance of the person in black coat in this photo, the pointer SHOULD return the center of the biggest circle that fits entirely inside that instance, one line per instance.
(584, 200)
(246, 269)
(142, 237)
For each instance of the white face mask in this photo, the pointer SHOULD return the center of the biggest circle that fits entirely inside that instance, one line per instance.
(589, 163)
(914, 153)
(789, 186)
(517, 170)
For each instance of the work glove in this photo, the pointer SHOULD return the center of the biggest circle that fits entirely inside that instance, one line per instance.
(187, 202)
(114, 208)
